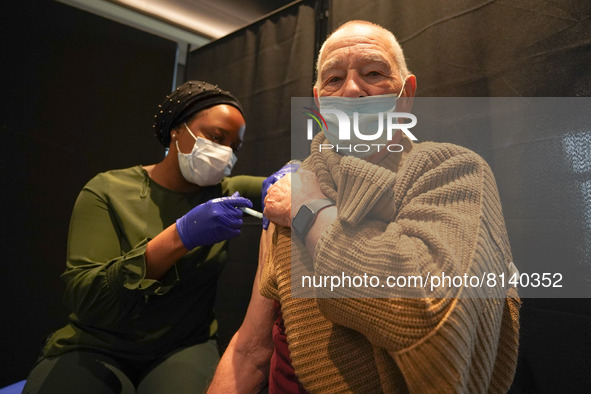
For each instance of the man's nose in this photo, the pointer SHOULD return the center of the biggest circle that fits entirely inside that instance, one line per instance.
(353, 87)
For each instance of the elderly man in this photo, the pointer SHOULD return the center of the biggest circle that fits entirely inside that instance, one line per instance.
(427, 208)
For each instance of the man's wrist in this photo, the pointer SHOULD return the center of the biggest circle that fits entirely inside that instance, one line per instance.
(306, 216)
(324, 219)
(297, 204)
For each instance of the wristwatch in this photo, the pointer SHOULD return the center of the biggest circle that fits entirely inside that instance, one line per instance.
(306, 216)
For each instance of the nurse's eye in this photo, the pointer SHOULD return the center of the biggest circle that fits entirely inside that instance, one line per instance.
(218, 139)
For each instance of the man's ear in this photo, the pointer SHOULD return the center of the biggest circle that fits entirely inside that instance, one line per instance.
(408, 94)
(315, 90)
(410, 87)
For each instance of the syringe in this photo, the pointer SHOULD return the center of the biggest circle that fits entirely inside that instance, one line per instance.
(251, 212)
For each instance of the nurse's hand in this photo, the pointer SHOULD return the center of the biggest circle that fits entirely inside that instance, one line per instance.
(212, 222)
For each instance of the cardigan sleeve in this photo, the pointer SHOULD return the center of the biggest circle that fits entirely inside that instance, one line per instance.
(430, 226)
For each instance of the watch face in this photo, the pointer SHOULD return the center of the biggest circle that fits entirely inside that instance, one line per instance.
(302, 221)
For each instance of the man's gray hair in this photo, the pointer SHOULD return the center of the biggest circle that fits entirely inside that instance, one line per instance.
(397, 49)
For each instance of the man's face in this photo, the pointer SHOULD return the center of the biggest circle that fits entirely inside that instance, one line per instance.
(358, 61)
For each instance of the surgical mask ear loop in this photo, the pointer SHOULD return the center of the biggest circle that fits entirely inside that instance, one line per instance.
(402, 89)
(176, 141)
(189, 130)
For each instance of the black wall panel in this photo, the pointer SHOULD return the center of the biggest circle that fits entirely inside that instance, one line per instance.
(79, 96)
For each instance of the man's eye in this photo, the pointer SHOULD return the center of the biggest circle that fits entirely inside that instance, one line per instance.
(333, 79)
(373, 74)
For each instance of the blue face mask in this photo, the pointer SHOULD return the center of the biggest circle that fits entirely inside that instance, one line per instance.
(363, 120)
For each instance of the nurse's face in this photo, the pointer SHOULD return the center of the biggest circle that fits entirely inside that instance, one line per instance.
(222, 124)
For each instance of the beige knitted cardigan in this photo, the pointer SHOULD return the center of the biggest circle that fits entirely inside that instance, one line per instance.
(433, 208)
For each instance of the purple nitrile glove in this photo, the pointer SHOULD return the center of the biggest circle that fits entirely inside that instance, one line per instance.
(212, 222)
(291, 166)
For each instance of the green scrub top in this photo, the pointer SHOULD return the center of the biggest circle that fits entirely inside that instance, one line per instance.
(115, 309)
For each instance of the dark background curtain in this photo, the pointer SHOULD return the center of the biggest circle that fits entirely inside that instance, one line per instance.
(531, 48)
(79, 96)
(264, 65)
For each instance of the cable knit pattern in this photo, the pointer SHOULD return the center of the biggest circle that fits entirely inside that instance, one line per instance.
(434, 208)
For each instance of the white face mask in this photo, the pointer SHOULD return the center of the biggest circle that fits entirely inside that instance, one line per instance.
(364, 117)
(207, 163)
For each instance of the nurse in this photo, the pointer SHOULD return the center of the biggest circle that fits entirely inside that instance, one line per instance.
(145, 248)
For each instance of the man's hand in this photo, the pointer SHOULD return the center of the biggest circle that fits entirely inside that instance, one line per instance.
(278, 202)
(285, 197)
(290, 167)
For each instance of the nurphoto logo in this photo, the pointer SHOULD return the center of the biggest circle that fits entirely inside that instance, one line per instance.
(359, 134)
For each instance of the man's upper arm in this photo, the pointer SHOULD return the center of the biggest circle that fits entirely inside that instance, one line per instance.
(256, 329)
(244, 366)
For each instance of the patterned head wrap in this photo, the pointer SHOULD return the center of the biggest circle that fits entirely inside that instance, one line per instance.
(188, 99)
